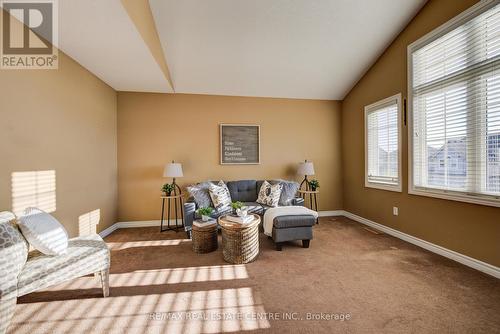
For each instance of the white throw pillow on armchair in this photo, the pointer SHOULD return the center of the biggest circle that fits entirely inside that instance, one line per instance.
(43, 232)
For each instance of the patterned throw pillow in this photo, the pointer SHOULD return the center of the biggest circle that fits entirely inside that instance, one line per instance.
(200, 194)
(269, 194)
(43, 232)
(288, 192)
(221, 198)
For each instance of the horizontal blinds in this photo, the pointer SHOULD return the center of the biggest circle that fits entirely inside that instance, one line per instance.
(382, 144)
(456, 109)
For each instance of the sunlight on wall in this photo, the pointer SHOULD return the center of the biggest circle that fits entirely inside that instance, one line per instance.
(34, 188)
(87, 223)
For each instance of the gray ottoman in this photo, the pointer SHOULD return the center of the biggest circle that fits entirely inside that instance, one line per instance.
(289, 228)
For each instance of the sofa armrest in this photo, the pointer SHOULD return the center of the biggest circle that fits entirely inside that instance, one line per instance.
(298, 201)
(189, 211)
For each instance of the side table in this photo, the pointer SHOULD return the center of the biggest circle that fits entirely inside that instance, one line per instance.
(313, 199)
(204, 238)
(176, 204)
(240, 242)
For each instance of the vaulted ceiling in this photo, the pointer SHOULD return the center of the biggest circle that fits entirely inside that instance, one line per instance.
(274, 48)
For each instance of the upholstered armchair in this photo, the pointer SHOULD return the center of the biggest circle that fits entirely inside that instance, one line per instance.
(23, 272)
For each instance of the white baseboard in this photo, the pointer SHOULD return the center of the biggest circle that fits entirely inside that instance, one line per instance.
(455, 256)
(331, 213)
(104, 233)
(132, 224)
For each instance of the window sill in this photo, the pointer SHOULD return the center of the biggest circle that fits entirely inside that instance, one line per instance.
(384, 186)
(455, 197)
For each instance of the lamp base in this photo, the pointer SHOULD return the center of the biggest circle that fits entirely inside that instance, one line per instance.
(306, 181)
(176, 188)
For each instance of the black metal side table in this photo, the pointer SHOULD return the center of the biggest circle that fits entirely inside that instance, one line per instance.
(178, 204)
(313, 199)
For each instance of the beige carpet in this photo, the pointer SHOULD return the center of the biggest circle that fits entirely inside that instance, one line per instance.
(351, 280)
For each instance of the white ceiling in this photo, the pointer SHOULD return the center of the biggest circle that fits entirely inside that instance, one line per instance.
(313, 49)
(100, 35)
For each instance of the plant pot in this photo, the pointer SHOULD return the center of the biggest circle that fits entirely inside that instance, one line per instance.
(205, 218)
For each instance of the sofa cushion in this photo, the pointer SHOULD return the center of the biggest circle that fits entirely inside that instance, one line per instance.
(294, 221)
(243, 190)
(288, 192)
(269, 194)
(220, 195)
(43, 232)
(84, 256)
(257, 208)
(216, 213)
(200, 194)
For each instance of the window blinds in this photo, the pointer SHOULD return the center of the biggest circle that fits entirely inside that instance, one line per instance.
(455, 92)
(383, 143)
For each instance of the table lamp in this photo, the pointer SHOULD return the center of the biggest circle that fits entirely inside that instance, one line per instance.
(173, 170)
(305, 168)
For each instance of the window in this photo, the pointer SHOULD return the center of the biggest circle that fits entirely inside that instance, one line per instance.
(454, 98)
(382, 144)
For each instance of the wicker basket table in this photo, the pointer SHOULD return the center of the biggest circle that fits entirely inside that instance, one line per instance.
(240, 242)
(204, 238)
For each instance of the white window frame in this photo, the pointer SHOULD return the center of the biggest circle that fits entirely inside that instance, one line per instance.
(371, 108)
(457, 21)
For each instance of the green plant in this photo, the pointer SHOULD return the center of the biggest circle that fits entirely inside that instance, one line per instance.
(167, 188)
(237, 205)
(314, 184)
(207, 211)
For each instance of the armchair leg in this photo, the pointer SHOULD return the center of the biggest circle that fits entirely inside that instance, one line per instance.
(104, 274)
(305, 243)
(279, 246)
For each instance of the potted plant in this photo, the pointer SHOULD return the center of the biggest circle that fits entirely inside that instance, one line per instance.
(236, 206)
(205, 213)
(167, 189)
(314, 184)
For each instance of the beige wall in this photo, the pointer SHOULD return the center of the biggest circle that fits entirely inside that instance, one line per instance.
(64, 121)
(470, 229)
(156, 128)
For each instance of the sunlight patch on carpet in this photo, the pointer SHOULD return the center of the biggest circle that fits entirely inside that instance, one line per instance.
(205, 311)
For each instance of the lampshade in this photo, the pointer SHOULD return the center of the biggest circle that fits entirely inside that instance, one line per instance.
(173, 169)
(306, 168)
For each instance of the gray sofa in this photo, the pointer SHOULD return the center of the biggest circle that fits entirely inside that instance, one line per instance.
(245, 191)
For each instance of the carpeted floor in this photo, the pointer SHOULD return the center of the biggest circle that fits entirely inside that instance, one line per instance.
(351, 280)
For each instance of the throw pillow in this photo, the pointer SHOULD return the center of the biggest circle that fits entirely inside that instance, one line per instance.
(221, 198)
(269, 194)
(43, 232)
(288, 191)
(200, 194)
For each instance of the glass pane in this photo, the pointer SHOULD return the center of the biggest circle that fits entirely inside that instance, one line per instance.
(383, 145)
(493, 134)
(446, 128)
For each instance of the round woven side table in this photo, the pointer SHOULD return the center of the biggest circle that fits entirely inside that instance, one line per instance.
(204, 238)
(240, 242)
